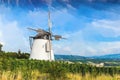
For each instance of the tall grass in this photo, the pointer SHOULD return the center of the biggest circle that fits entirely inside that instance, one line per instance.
(33, 75)
(36, 75)
(90, 77)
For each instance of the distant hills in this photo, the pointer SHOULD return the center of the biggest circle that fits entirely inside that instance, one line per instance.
(69, 57)
(76, 57)
(110, 56)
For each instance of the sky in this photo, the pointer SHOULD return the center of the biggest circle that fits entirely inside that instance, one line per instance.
(92, 27)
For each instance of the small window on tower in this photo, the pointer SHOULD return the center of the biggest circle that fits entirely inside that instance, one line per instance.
(47, 47)
(43, 46)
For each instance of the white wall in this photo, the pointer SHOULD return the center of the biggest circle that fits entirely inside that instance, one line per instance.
(39, 50)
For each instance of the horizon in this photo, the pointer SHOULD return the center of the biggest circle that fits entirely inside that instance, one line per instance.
(89, 56)
(91, 26)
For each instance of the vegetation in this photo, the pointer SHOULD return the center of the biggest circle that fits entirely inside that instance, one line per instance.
(36, 75)
(14, 55)
(1, 47)
(17, 66)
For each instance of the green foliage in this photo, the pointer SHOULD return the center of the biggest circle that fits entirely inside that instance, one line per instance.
(57, 71)
(12, 61)
(14, 55)
(1, 47)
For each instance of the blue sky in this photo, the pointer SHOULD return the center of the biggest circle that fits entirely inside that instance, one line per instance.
(92, 27)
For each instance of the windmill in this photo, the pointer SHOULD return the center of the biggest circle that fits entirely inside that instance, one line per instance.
(41, 44)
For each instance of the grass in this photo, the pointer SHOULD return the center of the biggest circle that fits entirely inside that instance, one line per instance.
(36, 75)
(90, 77)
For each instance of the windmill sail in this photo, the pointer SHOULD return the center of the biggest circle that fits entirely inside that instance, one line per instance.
(49, 27)
(49, 21)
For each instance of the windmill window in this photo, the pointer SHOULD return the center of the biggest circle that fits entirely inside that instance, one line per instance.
(47, 47)
(43, 46)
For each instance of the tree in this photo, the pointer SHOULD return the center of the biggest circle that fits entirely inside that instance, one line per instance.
(1, 47)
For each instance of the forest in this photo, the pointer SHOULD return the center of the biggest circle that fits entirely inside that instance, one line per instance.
(18, 66)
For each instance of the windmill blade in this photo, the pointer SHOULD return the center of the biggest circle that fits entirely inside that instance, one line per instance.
(63, 38)
(38, 30)
(49, 28)
(58, 37)
(32, 29)
(49, 20)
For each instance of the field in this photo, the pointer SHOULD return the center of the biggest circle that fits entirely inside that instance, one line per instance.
(36, 75)
(17, 66)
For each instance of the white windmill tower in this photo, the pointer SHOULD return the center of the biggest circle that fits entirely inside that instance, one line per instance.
(41, 47)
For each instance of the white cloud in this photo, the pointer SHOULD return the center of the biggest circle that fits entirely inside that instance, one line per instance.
(78, 45)
(12, 36)
(109, 47)
(107, 28)
(59, 49)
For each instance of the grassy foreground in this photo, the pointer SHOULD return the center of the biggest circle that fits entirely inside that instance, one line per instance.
(36, 75)
(14, 69)
(17, 66)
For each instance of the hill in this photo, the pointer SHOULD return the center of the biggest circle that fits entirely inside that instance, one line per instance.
(69, 57)
(110, 56)
(76, 57)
